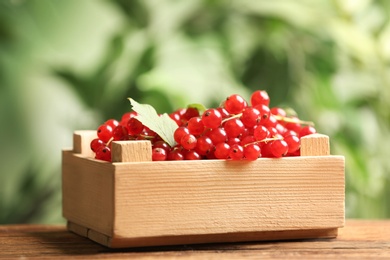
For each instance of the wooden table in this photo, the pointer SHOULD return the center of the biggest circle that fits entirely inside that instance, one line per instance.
(359, 239)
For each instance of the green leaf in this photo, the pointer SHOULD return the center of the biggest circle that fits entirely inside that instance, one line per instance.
(162, 125)
(200, 107)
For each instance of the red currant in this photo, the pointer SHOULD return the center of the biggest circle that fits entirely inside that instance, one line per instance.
(175, 155)
(260, 97)
(217, 135)
(236, 152)
(212, 118)
(277, 111)
(96, 143)
(222, 151)
(234, 127)
(103, 153)
(235, 104)
(104, 132)
(252, 151)
(191, 155)
(179, 133)
(159, 154)
(204, 145)
(134, 126)
(120, 133)
(307, 130)
(250, 116)
(278, 148)
(260, 132)
(195, 126)
(112, 122)
(188, 141)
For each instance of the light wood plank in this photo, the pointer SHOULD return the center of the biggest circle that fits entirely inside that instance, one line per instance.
(315, 145)
(189, 198)
(87, 192)
(131, 151)
(81, 142)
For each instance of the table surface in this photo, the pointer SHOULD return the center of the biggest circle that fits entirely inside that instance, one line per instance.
(359, 239)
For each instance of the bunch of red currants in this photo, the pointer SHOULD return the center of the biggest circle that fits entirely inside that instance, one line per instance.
(236, 130)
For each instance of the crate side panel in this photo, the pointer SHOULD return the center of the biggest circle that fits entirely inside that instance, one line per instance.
(87, 192)
(214, 196)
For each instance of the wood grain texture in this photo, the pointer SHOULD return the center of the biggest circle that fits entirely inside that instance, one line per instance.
(315, 145)
(359, 239)
(88, 192)
(219, 197)
(131, 151)
(131, 204)
(82, 140)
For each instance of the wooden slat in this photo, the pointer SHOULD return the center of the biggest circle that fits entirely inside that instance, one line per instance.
(315, 145)
(87, 192)
(131, 151)
(215, 197)
(81, 142)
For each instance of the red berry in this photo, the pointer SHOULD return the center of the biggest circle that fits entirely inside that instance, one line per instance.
(250, 116)
(265, 113)
(188, 141)
(126, 116)
(204, 145)
(233, 140)
(104, 132)
(235, 104)
(293, 143)
(112, 122)
(307, 130)
(271, 122)
(217, 135)
(159, 154)
(176, 117)
(260, 97)
(195, 126)
(252, 151)
(247, 140)
(260, 132)
(161, 144)
(277, 111)
(175, 155)
(179, 133)
(103, 153)
(236, 152)
(211, 118)
(234, 127)
(134, 126)
(224, 112)
(96, 143)
(191, 155)
(278, 148)
(222, 151)
(190, 113)
(120, 133)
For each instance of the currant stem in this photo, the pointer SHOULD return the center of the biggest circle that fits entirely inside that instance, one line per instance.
(231, 117)
(293, 120)
(265, 140)
(109, 141)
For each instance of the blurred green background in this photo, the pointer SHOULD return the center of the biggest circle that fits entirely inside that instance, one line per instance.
(69, 65)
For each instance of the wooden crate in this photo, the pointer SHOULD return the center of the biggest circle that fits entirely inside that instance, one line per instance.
(144, 203)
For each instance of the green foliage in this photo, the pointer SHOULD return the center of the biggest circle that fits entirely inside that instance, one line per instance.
(67, 65)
